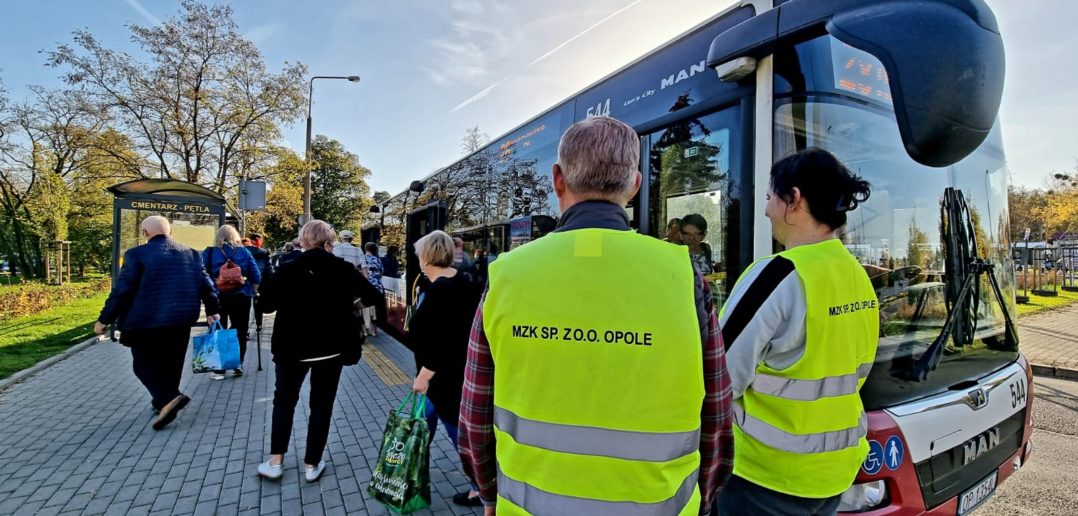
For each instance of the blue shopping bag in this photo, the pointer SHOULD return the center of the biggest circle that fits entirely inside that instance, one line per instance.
(215, 351)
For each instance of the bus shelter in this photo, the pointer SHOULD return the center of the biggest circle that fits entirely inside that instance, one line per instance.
(195, 213)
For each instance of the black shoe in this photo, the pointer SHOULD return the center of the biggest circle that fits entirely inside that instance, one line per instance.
(466, 501)
(237, 372)
(169, 412)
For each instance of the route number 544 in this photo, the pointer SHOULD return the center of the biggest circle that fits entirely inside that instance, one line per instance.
(1018, 392)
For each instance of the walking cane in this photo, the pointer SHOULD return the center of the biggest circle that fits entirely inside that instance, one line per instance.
(258, 341)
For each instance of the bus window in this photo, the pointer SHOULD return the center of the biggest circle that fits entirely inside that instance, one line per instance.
(689, 172)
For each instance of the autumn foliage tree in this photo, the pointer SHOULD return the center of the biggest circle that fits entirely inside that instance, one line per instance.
(200, 104)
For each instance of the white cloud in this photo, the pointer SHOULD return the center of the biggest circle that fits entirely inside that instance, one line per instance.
(585, 31)
(145, 14)
(483, 61)
(476, 42)
(477, 96)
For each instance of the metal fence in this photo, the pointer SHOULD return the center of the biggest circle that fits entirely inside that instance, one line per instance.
(1045, 271)
(1068, 267)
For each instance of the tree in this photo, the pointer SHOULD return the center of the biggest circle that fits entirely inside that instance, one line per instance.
(53, 144)
(1060, 212)
(284, 170)
(473, 140)
(202, 108)
(340, 193)
(917, 251)
(686, 164)
(1023, 206)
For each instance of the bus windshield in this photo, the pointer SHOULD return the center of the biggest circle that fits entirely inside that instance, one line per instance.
(896, 233)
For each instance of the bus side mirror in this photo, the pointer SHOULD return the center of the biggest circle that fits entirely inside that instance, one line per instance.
(944, 61)
(945, 66)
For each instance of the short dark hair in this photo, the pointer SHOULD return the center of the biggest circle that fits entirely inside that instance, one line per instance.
(254, 236)
(827, 185)
(695, 219)
(371, 247)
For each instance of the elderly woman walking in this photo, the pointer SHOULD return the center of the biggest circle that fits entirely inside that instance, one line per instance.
(315, 331)
(235, 290)
(439, 334)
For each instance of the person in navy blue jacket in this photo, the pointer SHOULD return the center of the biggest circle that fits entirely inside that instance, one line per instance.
(235, 305)
(154, 302)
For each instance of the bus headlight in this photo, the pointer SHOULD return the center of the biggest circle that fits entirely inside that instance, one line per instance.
(863, 497)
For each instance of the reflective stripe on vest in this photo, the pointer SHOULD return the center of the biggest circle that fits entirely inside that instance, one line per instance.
(800, 443)
(801, 430)
(597, 405)
(584, 440)
(537, 501)
(810, 390)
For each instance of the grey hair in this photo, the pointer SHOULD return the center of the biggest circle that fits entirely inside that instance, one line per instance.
(435, 249)
(227, 234)
(315, 234)
(156, 225)
(600, 156)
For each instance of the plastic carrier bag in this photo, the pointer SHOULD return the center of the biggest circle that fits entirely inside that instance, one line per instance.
(401, 480)
(217, 350)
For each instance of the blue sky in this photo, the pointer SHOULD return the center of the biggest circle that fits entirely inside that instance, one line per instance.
(432, 68)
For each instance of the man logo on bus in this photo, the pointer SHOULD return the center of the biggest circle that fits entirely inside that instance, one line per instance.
(683, 74)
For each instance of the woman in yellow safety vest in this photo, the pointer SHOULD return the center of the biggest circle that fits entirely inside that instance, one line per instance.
(801, 328)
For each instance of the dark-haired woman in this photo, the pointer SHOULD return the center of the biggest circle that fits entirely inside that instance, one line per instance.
(801, 328)
(693, 231)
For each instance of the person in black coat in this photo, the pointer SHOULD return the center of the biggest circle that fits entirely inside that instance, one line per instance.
(315, 331)
(439, 333)
(390, 265)
(154, 302)
(265, 266)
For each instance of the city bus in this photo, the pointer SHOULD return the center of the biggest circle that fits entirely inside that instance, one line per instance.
(907, 94)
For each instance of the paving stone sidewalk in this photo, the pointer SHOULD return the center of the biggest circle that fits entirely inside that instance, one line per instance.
(1050, 341)
(76, 439)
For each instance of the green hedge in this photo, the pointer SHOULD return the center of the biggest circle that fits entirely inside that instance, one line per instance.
(33, 298)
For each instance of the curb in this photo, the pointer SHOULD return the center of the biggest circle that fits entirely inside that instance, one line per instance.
(1039, 370)
(45, 364)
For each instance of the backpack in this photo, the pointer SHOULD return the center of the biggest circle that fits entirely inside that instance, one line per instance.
(229, 276)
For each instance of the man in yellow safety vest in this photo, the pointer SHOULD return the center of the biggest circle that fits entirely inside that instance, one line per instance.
(596, 380)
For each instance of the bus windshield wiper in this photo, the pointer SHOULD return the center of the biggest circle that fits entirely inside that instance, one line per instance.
(963, 272)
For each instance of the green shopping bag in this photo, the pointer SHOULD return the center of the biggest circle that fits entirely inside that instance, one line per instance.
(401, 480)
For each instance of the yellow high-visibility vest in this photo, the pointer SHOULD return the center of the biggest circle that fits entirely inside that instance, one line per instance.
(598, 375)
(801, 430)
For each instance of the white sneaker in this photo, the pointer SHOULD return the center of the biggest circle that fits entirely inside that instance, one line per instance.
(313, 472)
(270, 471)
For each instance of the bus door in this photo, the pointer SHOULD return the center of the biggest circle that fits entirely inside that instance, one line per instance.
(421, 223)
(694, 169)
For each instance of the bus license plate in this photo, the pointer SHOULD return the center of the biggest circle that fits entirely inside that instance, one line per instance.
(973, 498)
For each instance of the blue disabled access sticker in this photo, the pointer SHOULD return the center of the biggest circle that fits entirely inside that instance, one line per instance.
(874, 462)
(892, 453)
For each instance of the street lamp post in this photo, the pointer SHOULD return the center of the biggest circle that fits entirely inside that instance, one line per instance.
(306, 217)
